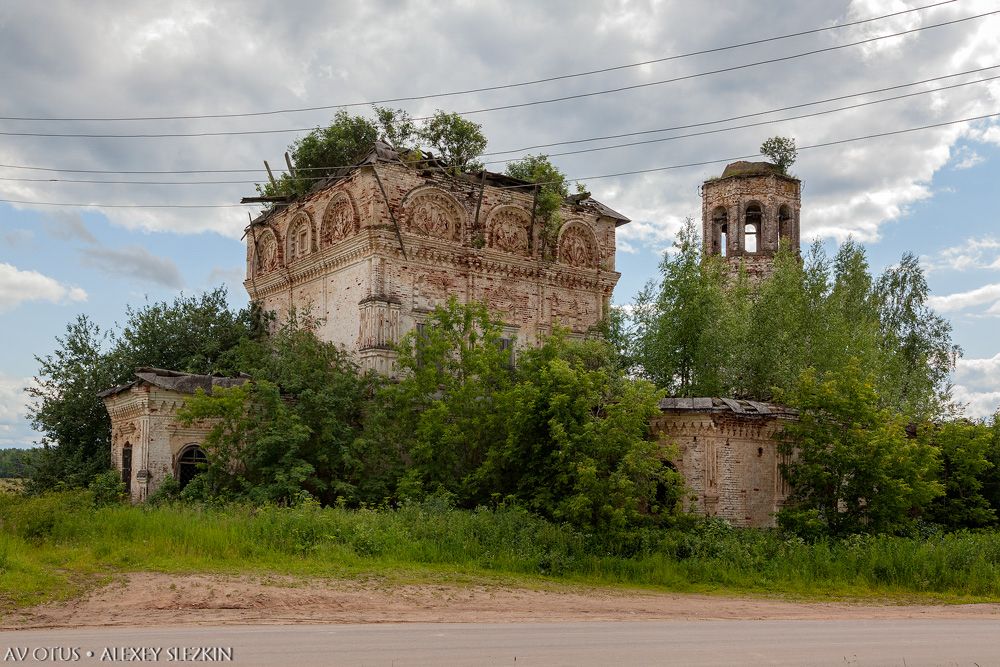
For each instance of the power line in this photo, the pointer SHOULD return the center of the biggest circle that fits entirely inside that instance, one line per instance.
(763, 122)
(742, 116)
(746, 157)
(487, 88)
(586, 150)
(575, 178)
(518, 105)
(722, 70)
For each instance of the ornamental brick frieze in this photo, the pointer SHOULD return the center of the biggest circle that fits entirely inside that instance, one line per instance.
(507, 300)
(577, 245)
(508, 229)
(433, 213)
(432, 288)
(340, 220)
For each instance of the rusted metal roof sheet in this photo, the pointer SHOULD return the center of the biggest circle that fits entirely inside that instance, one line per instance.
(741, 407)
(185, 383)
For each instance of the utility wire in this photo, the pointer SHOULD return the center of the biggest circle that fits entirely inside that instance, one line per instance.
(574, 152)
(742, 116)
(757, 124)
(487, 88)
(721, 70)
(518, 105)
(531, 185)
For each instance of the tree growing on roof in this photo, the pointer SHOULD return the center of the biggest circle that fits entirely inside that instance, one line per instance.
(781, 151)
(457, 141)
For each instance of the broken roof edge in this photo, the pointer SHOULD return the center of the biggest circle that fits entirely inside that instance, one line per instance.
(383, 153)
(747, 169)
(171, 380)
(742, 407)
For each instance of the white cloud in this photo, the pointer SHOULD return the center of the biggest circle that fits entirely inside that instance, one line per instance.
(14, 428)
(973, 253)
(980, 296)
(250, 56)
(967, 159)
(977, 384)
(978, 404)
(17, 286)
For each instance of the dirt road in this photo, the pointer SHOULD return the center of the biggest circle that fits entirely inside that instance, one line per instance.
(155, 599)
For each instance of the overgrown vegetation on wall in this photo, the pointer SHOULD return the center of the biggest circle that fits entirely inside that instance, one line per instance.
(864, 359)
(562, 433)
(192, 334)
(455, 141)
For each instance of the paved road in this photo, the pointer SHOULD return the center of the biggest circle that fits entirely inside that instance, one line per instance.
(907, 642)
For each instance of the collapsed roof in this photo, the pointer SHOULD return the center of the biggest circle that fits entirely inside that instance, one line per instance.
(185, 383)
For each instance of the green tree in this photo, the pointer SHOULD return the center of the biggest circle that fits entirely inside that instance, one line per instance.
(75, 428)
(851, 465)
(684, 324)
(18, 463)
(964, 447)
(291, 429)
(321, 152)
(551, 194)
(781, 151)
(191, 334)
(457, 141)
(916, 342)
(441, 418)
(576, 443)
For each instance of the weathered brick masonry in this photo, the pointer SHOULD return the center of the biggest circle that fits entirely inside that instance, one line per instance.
(148, 444)
(746, 212)
(372, 252)
(728, 455)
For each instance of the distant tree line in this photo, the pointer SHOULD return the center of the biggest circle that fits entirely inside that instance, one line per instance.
(17, 463)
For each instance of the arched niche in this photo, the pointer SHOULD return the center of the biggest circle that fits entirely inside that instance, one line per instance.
(267, 252)
(299, 237)
(189, 463)
(508, 229)
(577, 245)
(753, 227)
(720, 231)
(340, 220)
(432, 212)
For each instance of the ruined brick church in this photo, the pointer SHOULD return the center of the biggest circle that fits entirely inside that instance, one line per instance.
(371, 250)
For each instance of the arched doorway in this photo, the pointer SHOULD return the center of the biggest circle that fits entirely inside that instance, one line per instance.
(189, 464)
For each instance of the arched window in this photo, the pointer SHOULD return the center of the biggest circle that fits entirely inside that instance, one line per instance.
(127, 467)
(720, 230)
(751, 229)
(299, 238)
(785, 223)
(189, 464)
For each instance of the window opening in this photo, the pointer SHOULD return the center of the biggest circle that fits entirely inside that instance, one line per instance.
(127, 467)
(189, 464)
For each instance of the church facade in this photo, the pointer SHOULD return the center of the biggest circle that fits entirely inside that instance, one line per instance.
(371, 252)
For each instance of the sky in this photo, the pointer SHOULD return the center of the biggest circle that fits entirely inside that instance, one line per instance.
(929, 191)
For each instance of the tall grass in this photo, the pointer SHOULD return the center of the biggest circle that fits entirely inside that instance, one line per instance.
(49, 544)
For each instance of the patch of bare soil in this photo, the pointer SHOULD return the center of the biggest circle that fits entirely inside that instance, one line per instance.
(155, 599)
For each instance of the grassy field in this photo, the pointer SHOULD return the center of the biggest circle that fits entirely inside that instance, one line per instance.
(8, 485)
(58, 545)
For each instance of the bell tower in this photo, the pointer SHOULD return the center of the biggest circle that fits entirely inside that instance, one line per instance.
(747, 212)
